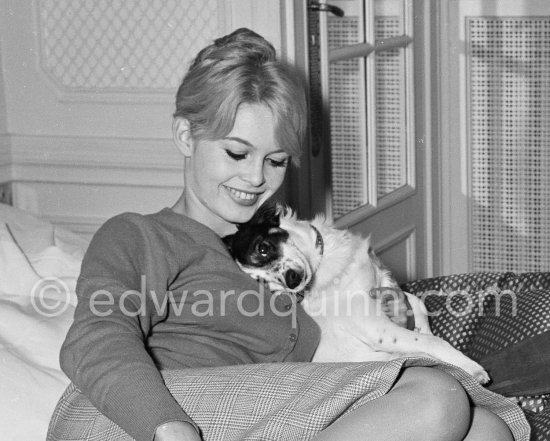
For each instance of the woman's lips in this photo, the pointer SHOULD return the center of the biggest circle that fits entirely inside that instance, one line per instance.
(243, 197)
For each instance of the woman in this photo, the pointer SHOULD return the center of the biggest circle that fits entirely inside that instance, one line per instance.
(161, 292)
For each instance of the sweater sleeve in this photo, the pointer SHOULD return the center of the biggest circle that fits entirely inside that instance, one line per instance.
(104, 353)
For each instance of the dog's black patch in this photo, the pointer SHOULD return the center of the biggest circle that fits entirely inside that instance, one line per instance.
(256, 242)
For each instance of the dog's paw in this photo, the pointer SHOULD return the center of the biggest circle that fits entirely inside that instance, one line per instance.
(482, 377)
(477, 371)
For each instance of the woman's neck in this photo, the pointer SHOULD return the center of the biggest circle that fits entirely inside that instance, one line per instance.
(186, 206)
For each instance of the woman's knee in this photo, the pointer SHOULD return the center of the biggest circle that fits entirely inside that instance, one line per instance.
(439, 400)
(487, 426)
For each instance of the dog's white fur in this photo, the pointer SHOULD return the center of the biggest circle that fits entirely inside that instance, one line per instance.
(337, 297)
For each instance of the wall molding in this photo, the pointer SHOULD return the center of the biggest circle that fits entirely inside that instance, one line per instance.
(83, 226)
(36, 163)
(92, 160)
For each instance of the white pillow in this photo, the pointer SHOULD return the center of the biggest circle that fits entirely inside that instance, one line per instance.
(34, 235)
(16, 273)
(31, 380)
(39, 265)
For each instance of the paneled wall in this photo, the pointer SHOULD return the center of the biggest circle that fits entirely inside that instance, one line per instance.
(86, 98)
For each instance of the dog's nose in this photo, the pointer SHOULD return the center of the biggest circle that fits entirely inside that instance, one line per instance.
(293, 278)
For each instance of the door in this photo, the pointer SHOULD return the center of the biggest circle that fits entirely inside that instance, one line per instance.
(366, 167)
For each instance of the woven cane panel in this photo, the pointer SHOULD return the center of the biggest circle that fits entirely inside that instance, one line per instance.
(391, 139)
(509, 118)
(110, 45)
(348, 144)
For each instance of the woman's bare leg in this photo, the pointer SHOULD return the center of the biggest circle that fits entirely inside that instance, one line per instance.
(424, 404)
(486, 426)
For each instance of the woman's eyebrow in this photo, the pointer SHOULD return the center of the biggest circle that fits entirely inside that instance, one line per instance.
(240, 140)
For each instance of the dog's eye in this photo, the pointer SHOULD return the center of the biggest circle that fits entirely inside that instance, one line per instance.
(264, 248)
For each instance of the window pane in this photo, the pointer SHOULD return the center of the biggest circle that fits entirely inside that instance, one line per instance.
(351, 115)
(347, 114)
(391, 117)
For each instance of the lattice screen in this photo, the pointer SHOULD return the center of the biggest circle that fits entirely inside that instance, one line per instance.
(105, 45)
(391, 118)
(509, 118)
(347, 115)
(347, 123)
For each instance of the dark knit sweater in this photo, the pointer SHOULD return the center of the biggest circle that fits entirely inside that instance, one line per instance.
(158, 292)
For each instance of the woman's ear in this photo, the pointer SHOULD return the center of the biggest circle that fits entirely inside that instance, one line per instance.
(181, 130)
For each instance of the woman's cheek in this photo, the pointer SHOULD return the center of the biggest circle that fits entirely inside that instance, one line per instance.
(275, 177)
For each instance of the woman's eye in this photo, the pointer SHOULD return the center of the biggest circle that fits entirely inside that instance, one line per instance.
(281, 163)
(236, 156)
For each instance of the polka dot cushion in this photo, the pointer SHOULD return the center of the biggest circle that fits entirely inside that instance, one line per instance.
(482, 313)
(535, 404)
(510, 318)
(540, 426)
(456, 304)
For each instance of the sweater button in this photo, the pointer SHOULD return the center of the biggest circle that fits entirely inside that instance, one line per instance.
(288, 307)
(293, 338)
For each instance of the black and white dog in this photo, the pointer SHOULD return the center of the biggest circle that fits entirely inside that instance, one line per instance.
(335, 271)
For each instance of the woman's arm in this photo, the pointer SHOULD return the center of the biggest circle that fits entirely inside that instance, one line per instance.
(104, 353)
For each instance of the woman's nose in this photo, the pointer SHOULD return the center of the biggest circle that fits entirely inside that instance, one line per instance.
(254, 174)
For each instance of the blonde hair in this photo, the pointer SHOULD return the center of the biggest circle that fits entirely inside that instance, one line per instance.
(242, 68)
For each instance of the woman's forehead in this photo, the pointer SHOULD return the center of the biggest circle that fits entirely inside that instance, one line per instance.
(255, 127)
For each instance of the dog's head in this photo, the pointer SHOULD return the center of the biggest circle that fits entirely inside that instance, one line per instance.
(276, 247)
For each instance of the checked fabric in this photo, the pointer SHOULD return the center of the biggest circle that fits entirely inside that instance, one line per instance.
(272, 402)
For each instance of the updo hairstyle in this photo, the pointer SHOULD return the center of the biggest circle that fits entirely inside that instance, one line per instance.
(242, 68)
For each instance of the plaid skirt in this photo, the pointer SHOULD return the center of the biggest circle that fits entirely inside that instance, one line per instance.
(279, 402)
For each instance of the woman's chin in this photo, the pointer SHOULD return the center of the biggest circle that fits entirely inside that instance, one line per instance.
(243, 214)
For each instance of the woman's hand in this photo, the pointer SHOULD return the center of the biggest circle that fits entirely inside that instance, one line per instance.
(176, 431)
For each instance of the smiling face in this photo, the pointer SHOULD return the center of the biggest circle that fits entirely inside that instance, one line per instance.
(226, 180)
